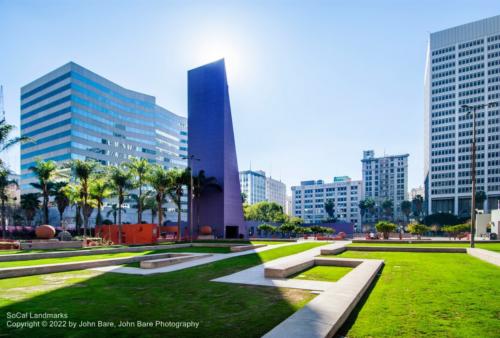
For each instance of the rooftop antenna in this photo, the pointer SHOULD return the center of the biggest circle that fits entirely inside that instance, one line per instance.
(250, 165)
(2, 110)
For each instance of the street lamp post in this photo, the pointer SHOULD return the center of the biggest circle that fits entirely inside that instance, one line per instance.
(191, 158)
(472, 110)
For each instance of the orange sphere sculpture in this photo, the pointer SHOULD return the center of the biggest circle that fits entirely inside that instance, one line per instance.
(45, 231)
(206, 230)
(169, 228)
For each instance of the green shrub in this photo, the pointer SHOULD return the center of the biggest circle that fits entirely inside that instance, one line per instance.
(418, 229)
(385, 227)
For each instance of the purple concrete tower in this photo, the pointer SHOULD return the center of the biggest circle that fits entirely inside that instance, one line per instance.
(211, 140)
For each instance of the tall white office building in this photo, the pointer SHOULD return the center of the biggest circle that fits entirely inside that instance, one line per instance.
(276, 192)
(386, 178)
(257, 188)
(462, 68)
(308, 200)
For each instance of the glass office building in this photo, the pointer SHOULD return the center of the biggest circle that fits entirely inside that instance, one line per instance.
(73, 113)
(463, 68)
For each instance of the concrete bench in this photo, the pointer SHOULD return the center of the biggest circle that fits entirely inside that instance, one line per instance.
(240, 248)
(334, 251)
(407, 249)
(325, 314)
(174, 259)
(283, 270)
(60, 267)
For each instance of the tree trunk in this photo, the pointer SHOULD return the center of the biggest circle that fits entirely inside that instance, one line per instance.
(78, 219)
(139, 205)
(45, 205)
(4, 232)
(160, 212)
(119, 223)
(179, 217)
(61, 219)
(85, 218)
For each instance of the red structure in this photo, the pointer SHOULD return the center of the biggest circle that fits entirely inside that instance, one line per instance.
(131, 233)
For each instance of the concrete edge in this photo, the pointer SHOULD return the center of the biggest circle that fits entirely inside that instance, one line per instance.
(325, 315)
(406, 249)
(61, 267)
(60, 254)
(173, 259)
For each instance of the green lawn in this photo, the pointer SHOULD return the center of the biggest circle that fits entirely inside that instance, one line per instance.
(323, 273)
(42, 261)
(270, 242)
(201, 249)
(429, 294)
(486, 246)
(187, 295)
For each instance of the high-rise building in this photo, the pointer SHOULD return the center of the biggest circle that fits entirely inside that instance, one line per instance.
(386, 178)
(253, 185)
(73, 113)
(276, 192)
(257, 188)
(462, 68)
(308, 200)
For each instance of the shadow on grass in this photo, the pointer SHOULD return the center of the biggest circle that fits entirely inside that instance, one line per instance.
(342, 332)
(182, 296)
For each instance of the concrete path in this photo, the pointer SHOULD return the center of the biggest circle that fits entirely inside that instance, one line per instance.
(190, 264)
(485, 255)
(255, 275)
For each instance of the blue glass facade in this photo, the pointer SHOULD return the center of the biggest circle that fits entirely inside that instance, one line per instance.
(73, 113)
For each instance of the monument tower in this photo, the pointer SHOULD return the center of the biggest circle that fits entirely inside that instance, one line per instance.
(211, 143)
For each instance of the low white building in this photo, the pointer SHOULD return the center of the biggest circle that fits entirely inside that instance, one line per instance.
(308, 200)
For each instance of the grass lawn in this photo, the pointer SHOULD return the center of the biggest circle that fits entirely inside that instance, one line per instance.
(429, 294)
(270, 242)
(42, 261)
(486, 246)
(187, 295)
(323, 273)
(10, 252)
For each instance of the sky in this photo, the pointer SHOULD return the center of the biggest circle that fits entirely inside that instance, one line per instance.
(312, 83)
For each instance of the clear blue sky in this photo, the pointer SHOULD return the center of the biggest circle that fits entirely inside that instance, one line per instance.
(312, 83)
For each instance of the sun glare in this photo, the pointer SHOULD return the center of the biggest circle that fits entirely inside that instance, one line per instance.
(216, 49)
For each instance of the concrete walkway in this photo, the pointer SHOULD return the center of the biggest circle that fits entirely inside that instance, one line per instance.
(485, 255)
(255, 275)
(189, 264)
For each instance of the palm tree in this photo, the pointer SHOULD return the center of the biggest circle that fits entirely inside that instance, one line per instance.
(72, 192)
(5, 141)
(60, 197)
(150, 203)
(366, 207)
(418, 204)
(161, 181)
(121, 181)
(202, 184)
(5, 182)
(387, 207)
(330, 209)
(480, 198)
(114, 211)
(30, 204)
(406, 209)
(83, 171)
(178, 179)
(139, 168)
(99, 191)
(45, 172)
